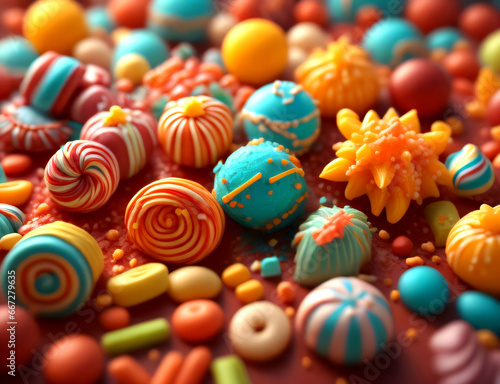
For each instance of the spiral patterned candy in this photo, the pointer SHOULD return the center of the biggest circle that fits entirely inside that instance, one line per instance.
(459, 357)
(331, 242)
(56, 267)
(471, 170)
(82, 176)
(345, 320)
(11, 219)
(196, 131)
(175, 220)
(129, 134)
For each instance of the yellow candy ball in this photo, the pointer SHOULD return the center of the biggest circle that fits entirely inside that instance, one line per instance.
(255, 51)
(55, 25)
(133, 67)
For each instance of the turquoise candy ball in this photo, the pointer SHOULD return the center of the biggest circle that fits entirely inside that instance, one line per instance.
(392, 41)
(489, 51)
(284, 113)
(444, 38)
(480, 310)
(261, 186)
(145, 43)
(11, 219)
(184, 20)
(345, 11)
(99, 17)
(16, 55)
(424, 290)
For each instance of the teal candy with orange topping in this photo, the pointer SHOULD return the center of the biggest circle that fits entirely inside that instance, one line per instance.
(261, 186)
(331, 242)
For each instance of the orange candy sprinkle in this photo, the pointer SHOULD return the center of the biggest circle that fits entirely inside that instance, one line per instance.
(395, 295)
(112, 235)
(286, 292)
(414, 261)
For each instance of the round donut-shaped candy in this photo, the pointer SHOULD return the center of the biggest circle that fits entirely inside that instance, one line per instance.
(260, 331)
(50, 82)
(129, 134)
(345, 320)
(196, 131)
(24, 128)
(175, 220)
(11, 219)
(82, 176)
(56, 267)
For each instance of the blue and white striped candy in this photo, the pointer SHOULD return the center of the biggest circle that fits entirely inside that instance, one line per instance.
(345, 320)
(11, 219)
(471, 171)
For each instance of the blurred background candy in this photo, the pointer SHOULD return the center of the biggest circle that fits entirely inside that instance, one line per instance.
(93, 50)
(185, 20)
(100, 18)
(307, 36)
(12, 20)
(144, 43)
(219, 26)
(444, 38)
(392, 41)
(55, 25)
(462, 62)
(410, 83)
(429, 15)
(129, 13)
(16, 55)
(479, 20)
(312, 11)
(489, 51)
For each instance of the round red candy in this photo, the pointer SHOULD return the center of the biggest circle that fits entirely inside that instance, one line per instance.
(16, 163)
(479, 20)
(429, 15)
(312, 11)
(90, 101)
(245, 9)
(402, 246)
(420, 84)
(491, 149)
(75, 359)
(197, 320)
(462, 63)
(463, 86)
(493, 111)
(26, 336)
(114, 318)
(12, 20)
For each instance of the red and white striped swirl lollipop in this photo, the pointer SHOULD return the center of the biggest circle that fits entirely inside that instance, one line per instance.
(175, 220)
(82, 176)
(196, 131)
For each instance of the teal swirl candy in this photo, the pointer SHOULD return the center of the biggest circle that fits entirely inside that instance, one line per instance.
(11, 219)
(331, 242)
(471, 170)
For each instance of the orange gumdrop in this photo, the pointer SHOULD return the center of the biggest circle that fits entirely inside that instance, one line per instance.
(15, 164)
(197, 320)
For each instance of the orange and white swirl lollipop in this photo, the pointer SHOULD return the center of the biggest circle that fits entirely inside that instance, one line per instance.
(175, 220)
(82, 176)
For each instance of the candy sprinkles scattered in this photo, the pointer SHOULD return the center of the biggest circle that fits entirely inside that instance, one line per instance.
(236, 191)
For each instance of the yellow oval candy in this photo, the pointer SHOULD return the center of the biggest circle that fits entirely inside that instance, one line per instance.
(194, 282)
(7, 242)
(139, 284)
(250, 291)
(15, 192)
(235, 274)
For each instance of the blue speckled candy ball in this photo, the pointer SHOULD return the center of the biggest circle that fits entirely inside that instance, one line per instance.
(424, 290)
(480, 310)
(99, 17)
(284, 113)
(185, 20)
(145, 43)
(16, 55)
(345, 11)
(261, 186)
(444, 38)
(392, 41)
